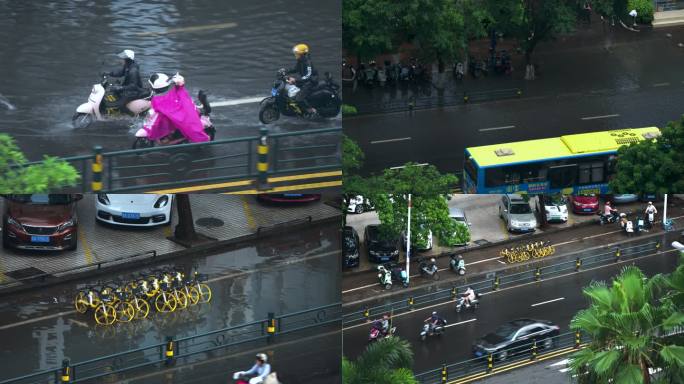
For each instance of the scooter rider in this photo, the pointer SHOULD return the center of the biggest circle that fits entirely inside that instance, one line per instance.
(469, 296)
(385, 323)
(608, 209)
(434, 321)
(307, 77)
(132, 87)
(460, 263)
(650, 211)
(259, 371)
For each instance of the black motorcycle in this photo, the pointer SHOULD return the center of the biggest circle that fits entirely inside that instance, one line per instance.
(324, 98)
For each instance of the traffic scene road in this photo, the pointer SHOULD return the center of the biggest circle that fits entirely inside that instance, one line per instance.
(289, 274)
(589, 83)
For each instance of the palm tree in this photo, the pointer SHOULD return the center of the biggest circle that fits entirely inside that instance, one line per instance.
(626, 322)
(386, 361)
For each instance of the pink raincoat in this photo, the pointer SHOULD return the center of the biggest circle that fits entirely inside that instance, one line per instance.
(175, 110)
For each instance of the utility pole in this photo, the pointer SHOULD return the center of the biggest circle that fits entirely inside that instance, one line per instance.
(408, 241)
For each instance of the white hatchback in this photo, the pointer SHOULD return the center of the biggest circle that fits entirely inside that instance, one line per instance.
(139, 210)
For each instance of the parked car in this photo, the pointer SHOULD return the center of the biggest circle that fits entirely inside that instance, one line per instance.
(459, 216)
(380, 250)
(555, 208)
(517, 214)
(350, 247)
(40, 222)
(623, 198)
(359, 204)
(585, 204)
(296, 198)
(140, 210)
(516, 337)
(414, 247)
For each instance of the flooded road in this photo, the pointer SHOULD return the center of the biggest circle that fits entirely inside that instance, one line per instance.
(53, 53)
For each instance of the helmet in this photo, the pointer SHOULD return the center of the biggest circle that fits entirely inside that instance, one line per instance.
(460, 256)
(300, 49)
(434, 313)
(650, 203)
(262, 357)
(159, 81)
(432, 260)
(623, 215)
(127, 54)
(385, 316)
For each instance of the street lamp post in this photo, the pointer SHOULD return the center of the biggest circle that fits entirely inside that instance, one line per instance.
(665, 210)
(408, 241)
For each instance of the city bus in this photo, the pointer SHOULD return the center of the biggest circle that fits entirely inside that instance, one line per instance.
(572, 164)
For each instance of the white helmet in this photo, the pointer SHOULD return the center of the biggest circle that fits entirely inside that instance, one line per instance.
(127, 54)
(262, 357)
(159, 81)
(650, 203)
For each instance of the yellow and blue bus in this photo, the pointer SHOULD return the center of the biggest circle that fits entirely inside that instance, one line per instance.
(571, 164)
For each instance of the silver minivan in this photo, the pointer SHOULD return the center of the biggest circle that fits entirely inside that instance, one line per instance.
(517, 214)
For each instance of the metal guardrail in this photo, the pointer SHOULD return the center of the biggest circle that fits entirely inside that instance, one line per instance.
(188, 348)
(502, 279)
(435, 101)
(477, 367)
(207, 163)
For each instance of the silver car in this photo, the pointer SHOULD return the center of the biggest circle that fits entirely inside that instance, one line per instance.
(458, 215)
(517, 214)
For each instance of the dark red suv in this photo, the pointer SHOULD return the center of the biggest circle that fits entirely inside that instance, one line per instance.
(43, 222)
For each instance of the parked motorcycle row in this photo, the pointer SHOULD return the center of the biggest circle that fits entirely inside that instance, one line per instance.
(499, 63)
(390, 74)
(104, 104)
(628, 226)
(393, 273)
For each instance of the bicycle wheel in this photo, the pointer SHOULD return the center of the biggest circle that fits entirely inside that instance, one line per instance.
(142, 308)
(125, 312)
(204, 293)
(165, 302)
(181, 298)
(81, 302)
(193, 295)
(105, 314)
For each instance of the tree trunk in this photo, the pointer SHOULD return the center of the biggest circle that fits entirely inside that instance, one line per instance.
(185, 229)
(644, 371)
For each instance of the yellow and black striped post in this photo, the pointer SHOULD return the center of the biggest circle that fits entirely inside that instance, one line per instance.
(271, 326)
(534, 349)
(410, 301)
(497, 280)
(617, 254)
(518, 92)
(537, 274)
(66, 371)
(169, 351)
(578, 264)
(445, 374)
(96, 183)
(578, 339)
(454, 292)
(366, 313)
(490, 362)
(657, 246)
(262, 161)
(465, 98)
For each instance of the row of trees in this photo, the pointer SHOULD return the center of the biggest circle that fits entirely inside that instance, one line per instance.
(389, 193)
(441, 29)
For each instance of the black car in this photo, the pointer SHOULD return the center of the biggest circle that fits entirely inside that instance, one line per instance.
(350, 247)
(380, 250)
(516, 337)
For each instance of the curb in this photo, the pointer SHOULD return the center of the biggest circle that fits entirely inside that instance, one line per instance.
(93, 270)
(449, 282)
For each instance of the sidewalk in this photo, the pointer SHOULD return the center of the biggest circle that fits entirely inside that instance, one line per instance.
(228, 219)
(596, 58)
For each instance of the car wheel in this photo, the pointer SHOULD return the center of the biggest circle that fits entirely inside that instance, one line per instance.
(502, 356)
(548, 343)
(359, 208)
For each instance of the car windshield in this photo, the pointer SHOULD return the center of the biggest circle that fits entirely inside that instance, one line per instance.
(42, 199)
(505, 331)
(556, 200)
(520, 208)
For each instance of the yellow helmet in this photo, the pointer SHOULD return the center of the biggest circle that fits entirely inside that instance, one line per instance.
(300, 49)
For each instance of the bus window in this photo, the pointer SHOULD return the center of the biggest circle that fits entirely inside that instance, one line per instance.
(562, 176)
(591, 172)
(469, 168)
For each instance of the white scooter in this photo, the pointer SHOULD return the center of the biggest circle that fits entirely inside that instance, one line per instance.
(435, 331)
(103, 103)
(385, 277)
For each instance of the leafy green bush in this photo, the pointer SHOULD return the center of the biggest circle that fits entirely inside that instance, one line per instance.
(644, 10)
(460, 235)
(348, 110)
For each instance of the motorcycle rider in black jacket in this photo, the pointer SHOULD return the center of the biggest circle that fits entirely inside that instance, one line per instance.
(307, 77)
(131, 88)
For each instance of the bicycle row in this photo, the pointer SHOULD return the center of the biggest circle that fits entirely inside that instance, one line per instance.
(525, 252)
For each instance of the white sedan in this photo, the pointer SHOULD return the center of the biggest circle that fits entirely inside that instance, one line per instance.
(140, 210)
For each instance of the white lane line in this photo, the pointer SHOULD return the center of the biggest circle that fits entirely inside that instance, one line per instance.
(661, 84)
(562, 362)
(485, 260)
(496, 128)
(459, 323)
(414, 165)
(390, 140)
(246, 100)
(547, 301)
(600, 117)
(34, 320)
(357, 288)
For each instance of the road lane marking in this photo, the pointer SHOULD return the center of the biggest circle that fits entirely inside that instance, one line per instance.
(482, 261)
(661, 84)
(248, 214)
(35, 320)
(547, 301)
(460, 322)
(414, 165)
(600, 117)
(285, 188)
(562, 362)
(195, 28)
(87, 251)
(245, 100)
(390, 140)
(79, 323)
(496, 128)
(304, 176)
